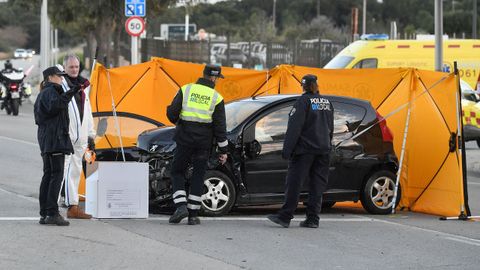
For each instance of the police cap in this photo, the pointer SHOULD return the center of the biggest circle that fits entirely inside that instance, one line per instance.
(213, 71)
(52, 71)
(308, 79)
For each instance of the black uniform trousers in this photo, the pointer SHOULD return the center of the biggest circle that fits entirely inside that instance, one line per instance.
(51, 183)
(182, 157)
(302, 167)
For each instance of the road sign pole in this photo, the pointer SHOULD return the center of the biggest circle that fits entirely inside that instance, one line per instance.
(134, 50)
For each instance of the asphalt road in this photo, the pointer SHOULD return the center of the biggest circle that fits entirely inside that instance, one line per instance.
(348, 238)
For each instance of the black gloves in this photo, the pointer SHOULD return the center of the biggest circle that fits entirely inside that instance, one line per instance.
(91, 143)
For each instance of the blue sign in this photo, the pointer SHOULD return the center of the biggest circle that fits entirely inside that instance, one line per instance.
(135, 8)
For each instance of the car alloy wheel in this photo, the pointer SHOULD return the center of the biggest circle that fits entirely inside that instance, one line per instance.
(219, 194)
(378, 192)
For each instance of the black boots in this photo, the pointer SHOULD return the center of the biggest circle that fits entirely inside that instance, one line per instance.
(309, 223)
(275, 218)
(193, 220)
(55, 220)
(179, 214)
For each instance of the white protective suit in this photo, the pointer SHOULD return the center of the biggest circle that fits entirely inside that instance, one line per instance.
(79, 133)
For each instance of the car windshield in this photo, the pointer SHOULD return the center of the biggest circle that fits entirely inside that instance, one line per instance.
(237, 111)
(339, 62)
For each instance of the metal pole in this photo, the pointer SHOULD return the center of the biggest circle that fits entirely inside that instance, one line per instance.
(364, 18)
(274, 17)
(474, 22)
(44, 36)
(55, 54)
(187, 22)
(399, 171)
(134, 55)
(438, 35)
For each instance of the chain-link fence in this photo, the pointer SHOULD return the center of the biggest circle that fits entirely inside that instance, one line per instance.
(251, 54)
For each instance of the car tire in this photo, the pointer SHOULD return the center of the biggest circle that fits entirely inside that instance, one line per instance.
(15, 106)
(478, 143)
(377, 193)
(219, 194)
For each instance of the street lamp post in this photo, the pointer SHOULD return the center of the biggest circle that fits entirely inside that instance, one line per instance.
(364, 18)
(438, 35)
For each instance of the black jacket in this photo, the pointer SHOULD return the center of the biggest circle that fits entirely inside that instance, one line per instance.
(51, 116)
(198, 135)
(310, 126)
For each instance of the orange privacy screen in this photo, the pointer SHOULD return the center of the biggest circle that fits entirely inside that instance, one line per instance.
(431, 176)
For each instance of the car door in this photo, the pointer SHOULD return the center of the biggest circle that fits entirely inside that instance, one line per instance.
(343, 164)
(265, 169)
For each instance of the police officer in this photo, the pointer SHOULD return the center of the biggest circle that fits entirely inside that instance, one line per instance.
(307, 146)
(199, 114)
(51, 116)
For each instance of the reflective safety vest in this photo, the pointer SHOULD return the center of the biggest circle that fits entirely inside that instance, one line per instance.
(199, 103)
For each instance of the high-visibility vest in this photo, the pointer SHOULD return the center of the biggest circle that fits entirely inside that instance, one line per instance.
(199, 103)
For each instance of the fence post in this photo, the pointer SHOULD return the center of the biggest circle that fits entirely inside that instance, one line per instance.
(269, 54)
(228, 49)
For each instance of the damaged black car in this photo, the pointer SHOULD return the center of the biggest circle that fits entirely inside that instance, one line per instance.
(363, 163)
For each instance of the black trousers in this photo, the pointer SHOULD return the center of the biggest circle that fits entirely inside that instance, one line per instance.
(300, 168)
(51, 183)
(182, 157)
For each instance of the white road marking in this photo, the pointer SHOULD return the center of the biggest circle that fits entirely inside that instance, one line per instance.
(19, 141)
(30, 199)
(474, 243)
(445, 235)
(473, 183)
(211, 218)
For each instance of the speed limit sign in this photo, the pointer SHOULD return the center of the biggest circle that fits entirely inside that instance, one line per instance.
(135, 26)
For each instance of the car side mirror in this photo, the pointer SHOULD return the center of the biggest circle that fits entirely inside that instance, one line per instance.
(253, 149)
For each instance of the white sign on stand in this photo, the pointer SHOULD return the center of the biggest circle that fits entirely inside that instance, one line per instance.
(117, 190)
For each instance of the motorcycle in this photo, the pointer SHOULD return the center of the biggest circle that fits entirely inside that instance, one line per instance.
(12, 88)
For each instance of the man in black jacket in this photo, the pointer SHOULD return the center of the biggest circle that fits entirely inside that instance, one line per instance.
(199, 114)
(307, 146)
(51, 116)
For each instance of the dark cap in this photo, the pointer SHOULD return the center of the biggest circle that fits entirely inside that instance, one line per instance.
(308, 80)
(213, 71)
(52, 71)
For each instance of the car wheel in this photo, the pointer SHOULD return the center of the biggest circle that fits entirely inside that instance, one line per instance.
(15, 106)
(478, 143)
(377, 194)
(219, 194)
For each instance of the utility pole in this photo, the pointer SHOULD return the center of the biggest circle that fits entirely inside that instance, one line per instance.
(44, 36)
(318, 8)
(364, 18)
(274, 17)
(438, 35)
(474, 20)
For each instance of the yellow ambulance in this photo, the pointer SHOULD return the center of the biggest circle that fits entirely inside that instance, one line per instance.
(376, 51)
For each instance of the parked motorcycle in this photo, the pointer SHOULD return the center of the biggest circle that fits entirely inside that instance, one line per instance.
(12, 90)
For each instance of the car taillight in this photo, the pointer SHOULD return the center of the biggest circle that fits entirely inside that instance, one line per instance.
(387, 134)
(13, 86)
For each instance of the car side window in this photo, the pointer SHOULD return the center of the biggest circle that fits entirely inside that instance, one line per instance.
(273, 126)
(268, 133)
(367, 63)
(347, 118)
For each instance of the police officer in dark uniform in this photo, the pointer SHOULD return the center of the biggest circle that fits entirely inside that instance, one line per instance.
(307, 146)
(199, 114)
(51, 116)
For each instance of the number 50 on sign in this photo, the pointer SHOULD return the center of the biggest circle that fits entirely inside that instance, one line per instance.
(135, 26)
